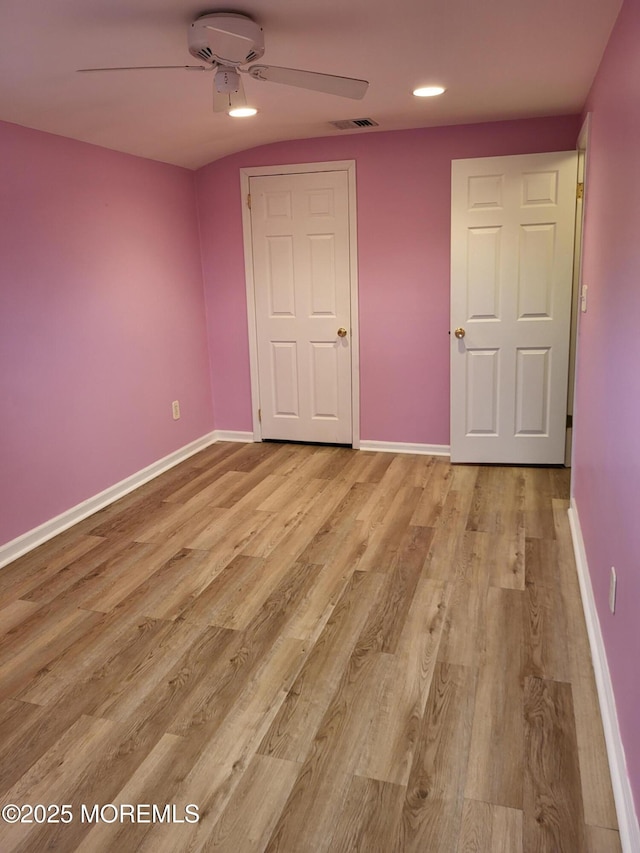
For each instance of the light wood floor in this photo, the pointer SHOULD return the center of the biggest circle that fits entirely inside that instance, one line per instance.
(322, 649)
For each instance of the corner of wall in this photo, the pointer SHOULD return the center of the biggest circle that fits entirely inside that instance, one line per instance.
(30, 540)
(196, 186)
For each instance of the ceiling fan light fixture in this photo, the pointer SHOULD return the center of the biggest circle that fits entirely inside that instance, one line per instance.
(237, 105)
(242, 112)
(428, 91)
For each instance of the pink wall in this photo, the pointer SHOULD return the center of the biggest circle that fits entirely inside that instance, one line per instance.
(101, 321)
(607, 413)
(403, 189)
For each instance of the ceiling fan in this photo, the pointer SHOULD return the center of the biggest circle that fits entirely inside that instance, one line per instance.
(227, 41)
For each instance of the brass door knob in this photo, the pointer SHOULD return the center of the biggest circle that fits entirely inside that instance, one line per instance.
(459, 333)
(342, 332)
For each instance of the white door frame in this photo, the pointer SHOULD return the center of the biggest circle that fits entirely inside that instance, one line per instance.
(348, 166)
(579, 306)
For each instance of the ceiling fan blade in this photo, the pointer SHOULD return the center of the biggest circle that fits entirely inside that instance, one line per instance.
(148, 68)
(345, 87)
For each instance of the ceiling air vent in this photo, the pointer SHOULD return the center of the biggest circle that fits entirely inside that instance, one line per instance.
(354, 123)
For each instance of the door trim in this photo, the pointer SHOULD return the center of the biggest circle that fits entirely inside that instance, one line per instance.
(582, 147)
(348, 166)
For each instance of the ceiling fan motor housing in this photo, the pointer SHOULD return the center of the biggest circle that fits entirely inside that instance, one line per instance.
(227, 38)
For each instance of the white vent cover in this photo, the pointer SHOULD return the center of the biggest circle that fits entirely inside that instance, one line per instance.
(354, 123)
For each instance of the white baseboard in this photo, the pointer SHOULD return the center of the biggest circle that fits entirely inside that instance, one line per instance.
(232, 435)
(401, 447)
(32, 538)
(622, 793)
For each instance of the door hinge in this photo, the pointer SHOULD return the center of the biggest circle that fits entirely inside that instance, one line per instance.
(260, 415)
(569, 421)
(580, 191)
(249, 200)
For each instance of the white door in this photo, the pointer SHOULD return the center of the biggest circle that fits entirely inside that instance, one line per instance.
(512, 231)
(301, 273)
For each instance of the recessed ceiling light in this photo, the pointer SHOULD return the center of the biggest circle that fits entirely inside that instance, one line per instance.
(242, 112)
(428, 91)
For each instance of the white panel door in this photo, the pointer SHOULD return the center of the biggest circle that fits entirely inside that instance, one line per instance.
(301, 271)
(512, 232)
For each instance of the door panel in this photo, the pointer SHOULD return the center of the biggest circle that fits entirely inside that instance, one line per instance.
(322, 274)
(482, 391)
(284, 371)
(483, 292)
(532, 391)
(301, 271)
(536, 267)
(279, 274)
(511, 273)
(325, 380)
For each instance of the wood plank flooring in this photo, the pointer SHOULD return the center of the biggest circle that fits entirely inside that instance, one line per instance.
(322, 649)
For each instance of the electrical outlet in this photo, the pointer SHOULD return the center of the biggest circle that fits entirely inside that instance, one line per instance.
(613, 582)
(175, 408)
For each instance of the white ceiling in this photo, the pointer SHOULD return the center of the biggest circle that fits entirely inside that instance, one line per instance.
(499, 59)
